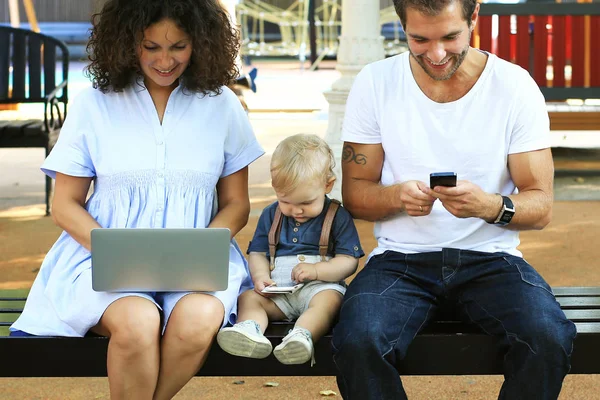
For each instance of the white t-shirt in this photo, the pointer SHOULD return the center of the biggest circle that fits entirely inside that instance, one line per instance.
(504, 113)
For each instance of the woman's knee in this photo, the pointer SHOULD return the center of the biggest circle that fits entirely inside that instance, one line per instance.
(196, 321)
(133, 325)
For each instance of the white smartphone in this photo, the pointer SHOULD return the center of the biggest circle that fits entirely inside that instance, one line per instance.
(282, 289)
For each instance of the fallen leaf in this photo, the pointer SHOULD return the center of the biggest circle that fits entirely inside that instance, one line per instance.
(238, 382)
(271, 384)
(579, 180)
(327, 393)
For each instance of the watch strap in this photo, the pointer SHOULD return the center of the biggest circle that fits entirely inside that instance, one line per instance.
(506, 212)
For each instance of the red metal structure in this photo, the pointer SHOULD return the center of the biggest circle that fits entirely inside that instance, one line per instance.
(559, 38)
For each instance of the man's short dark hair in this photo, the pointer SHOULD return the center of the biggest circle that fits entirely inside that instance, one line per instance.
(432, 8)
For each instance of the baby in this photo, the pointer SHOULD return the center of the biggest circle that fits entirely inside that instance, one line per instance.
(288, 249)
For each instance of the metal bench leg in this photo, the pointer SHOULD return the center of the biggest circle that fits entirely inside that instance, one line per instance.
(48, 190)
(48, 187)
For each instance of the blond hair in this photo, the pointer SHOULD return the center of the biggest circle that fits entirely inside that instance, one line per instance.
(299, 159)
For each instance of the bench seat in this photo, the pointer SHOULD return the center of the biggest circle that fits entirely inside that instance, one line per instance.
(445, 347)
(564, 117)
(23, 133)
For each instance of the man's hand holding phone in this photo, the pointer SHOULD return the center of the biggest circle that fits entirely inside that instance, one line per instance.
(463, 199)
(415, 199)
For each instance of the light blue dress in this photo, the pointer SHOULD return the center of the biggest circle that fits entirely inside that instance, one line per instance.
(146, 175)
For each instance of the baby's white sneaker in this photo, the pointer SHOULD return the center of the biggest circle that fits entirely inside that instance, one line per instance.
(296, 348)
(244, 339)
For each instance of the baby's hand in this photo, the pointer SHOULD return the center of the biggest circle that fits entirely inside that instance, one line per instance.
(304, 272)
(261, 282)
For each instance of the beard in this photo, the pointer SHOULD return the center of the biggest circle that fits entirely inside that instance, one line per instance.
(453, 59)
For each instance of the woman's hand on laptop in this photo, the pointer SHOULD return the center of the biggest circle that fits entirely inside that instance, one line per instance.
(261, 282)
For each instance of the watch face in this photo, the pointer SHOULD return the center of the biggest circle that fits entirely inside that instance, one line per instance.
(506, 217)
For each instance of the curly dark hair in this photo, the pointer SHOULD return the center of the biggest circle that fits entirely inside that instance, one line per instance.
(432, 8)
(119, 27)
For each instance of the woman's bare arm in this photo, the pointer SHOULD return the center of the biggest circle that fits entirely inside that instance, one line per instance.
(234, 203)
(68, 208)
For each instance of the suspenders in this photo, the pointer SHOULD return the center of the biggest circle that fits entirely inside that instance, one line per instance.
(275, 231)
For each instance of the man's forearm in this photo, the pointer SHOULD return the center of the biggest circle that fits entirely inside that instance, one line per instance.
(372, 201)
(533, 210)
(533, 173)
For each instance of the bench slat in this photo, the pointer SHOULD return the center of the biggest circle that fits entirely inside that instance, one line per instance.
(18, 70)
(576, 291)
(589, 327)
(576, 121)
(588, 303)
(583, 315)
(35, 66)
(5, 37)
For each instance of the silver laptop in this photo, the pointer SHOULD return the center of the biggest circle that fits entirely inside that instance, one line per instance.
(158, 260)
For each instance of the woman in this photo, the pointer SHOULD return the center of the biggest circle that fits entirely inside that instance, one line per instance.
(157, 133)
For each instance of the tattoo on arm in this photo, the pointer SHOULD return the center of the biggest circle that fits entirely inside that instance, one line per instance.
(349, 155)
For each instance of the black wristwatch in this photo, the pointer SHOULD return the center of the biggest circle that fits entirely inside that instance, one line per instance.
(506, 213)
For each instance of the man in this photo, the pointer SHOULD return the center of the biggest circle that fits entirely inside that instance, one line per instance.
(444, 106)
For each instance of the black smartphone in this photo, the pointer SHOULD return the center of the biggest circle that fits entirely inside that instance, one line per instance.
(442, 179)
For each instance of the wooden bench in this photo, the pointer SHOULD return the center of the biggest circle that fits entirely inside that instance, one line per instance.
(28, 74)
(446, 347)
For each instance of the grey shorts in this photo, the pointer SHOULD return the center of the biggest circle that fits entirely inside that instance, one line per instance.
(294, 304)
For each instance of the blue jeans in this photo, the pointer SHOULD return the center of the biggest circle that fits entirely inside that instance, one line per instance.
(396, 294)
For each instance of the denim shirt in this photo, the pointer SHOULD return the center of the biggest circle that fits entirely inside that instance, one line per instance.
(303, 238)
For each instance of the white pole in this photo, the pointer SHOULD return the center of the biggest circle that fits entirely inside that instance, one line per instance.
(360, 44)
(13, 9)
